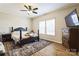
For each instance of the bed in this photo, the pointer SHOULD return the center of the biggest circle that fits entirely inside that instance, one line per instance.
(21, 36)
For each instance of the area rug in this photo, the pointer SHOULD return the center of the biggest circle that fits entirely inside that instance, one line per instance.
(29, 49)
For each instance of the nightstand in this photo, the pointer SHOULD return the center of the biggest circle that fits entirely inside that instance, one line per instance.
(6, 37)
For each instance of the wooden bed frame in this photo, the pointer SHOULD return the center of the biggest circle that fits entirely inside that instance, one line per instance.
(24, 41)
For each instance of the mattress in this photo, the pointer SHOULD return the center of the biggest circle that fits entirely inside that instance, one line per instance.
(16, 36)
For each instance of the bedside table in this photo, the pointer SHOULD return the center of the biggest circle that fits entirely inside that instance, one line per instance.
(6, 37)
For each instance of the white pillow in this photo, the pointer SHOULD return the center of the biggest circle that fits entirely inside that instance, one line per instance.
(16, 32)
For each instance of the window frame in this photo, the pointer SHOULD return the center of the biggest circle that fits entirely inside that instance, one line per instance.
(46, 29)
(39, 29)
(54, 28)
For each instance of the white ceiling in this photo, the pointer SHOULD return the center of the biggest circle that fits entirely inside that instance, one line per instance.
(14, 8)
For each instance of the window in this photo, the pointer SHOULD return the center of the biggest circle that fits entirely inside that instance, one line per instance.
(42, 27)
(47, 27)
(50, 27)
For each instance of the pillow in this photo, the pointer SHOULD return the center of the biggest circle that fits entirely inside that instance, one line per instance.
(33, 34)
(16, 32)
(27, 34)
(24, 32)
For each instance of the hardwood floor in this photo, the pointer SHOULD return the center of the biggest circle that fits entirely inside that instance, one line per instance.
(54, 49)
(47, 51)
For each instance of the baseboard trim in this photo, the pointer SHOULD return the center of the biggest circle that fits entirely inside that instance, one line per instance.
(53, 41)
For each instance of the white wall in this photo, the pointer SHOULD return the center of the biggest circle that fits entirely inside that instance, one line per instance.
(59, 15)
(8, 20)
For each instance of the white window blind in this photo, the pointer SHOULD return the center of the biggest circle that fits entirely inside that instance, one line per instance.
(42, 27)
(47, 27)
(50, 27)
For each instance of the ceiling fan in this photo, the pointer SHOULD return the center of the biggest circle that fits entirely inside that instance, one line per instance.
(29, 9)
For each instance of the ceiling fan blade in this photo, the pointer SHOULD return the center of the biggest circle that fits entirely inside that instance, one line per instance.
(30, 8)
(23, 10)
(25, 6)
(34, 12)
(35, 9)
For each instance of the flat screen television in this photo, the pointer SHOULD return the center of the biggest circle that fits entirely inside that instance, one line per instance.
(72, 19)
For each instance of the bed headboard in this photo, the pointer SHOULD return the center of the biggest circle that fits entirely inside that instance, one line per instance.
(18, 29)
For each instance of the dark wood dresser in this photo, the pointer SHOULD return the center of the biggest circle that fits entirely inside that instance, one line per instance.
(71, 40)
(74, 38)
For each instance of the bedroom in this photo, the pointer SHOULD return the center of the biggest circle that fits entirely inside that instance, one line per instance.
(12, 16)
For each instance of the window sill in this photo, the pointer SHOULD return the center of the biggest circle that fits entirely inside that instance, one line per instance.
(47, 34)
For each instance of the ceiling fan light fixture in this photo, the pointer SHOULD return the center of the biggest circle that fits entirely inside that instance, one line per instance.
(30, 10)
